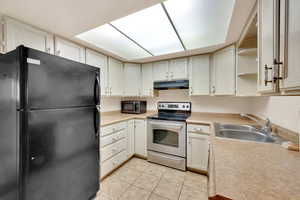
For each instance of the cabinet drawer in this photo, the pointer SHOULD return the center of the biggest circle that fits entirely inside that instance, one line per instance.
(198, 128)
(107, 130)
(112, 163)
(112, 138)
(112, 150)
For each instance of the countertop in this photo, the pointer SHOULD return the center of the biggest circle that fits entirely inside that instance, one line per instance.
(108, 118)
(240, 170)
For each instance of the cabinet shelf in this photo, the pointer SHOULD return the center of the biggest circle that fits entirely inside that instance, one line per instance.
(248, 52)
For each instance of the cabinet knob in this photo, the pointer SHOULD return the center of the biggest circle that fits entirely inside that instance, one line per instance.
(58, 52)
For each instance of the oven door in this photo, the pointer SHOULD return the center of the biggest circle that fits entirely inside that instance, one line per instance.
(167, 137)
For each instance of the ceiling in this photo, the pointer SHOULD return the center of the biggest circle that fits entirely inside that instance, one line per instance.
(69, 18)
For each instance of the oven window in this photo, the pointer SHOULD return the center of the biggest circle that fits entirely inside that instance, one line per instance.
(165, 137)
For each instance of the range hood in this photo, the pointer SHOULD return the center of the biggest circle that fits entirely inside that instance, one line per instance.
(166, 85)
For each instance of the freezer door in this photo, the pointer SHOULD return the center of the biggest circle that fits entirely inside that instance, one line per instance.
(62, 162)
(9, 127)
(55, 82)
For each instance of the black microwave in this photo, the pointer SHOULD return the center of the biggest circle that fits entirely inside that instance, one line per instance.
(133, 107)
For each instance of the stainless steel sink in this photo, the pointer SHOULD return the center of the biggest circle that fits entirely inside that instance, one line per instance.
(245, 132)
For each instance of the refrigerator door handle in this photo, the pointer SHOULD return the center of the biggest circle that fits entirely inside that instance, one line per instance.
(97, 89)
(96, 122)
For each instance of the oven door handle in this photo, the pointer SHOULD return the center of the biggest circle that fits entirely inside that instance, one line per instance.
(166, 126)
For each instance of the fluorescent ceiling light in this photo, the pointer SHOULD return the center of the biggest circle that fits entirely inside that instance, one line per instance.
(108, 38)
(201, 23)
(152, 29)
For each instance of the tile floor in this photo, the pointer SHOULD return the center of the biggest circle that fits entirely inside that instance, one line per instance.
(141, 180)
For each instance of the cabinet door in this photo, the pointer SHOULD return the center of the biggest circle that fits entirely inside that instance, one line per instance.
(197, 151)
(199, 75)
(266, 42)
(161, 71)
(115, 77)
(147, 79)
(140, 139)
(130, 138)
(178, 69)
(132, 78)
(69, 50)
(291, 44)
(224, 71)
(16, 33)
(98, 60)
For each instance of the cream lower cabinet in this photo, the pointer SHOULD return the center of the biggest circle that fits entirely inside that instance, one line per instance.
(199, 73)
(140, 138)
(198, 147)
(130, 138)
(16, 33)
(113, 147)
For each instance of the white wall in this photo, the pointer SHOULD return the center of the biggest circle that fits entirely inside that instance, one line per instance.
(283, 110)
(110, 104)
(201, 103)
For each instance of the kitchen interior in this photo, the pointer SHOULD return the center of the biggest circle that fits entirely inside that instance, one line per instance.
(150, 100)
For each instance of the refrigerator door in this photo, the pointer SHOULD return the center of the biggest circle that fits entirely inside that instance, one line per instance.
(55, 82)
(9, 128)
(63, 155)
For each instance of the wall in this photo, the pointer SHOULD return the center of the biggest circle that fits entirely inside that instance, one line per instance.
(201, 103)
(282, 110)
(110, 104)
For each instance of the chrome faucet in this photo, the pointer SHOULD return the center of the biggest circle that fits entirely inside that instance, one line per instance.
(265, 127)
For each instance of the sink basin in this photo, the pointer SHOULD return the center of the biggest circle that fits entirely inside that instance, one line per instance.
(244, 132)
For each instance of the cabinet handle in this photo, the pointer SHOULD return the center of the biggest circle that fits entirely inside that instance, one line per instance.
(267, 74)
(191, 90)
(213, 89)
(48, 50)
(277, 65)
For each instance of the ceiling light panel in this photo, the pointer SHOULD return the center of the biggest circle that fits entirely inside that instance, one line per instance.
(108, 38)
(201, 23)
(151, 29)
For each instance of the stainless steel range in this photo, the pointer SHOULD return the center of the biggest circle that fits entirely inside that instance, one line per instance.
(166, 142)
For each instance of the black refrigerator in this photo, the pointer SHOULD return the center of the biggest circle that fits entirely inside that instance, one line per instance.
(49, 126)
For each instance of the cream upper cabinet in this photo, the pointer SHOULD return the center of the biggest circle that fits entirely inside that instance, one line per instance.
(115, 77)
(17, 33)
(147, 79)
(132, 79)
(290, 45)
(140, 145)
(266, 45)
(161, 71)
(69, 50)
(98, 60)
(199, 73)
(223, 73)
(178, 69)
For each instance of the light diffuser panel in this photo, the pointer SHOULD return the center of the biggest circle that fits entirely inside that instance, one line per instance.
(201, 23)
(108, 38)
(151, 29)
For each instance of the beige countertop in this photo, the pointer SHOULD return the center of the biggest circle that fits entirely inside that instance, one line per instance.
(108, 118)
(240, 170)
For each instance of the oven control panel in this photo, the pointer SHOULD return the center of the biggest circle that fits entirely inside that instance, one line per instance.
(184, 106)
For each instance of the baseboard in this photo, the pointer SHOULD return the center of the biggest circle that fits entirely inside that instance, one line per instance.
(198, 171)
